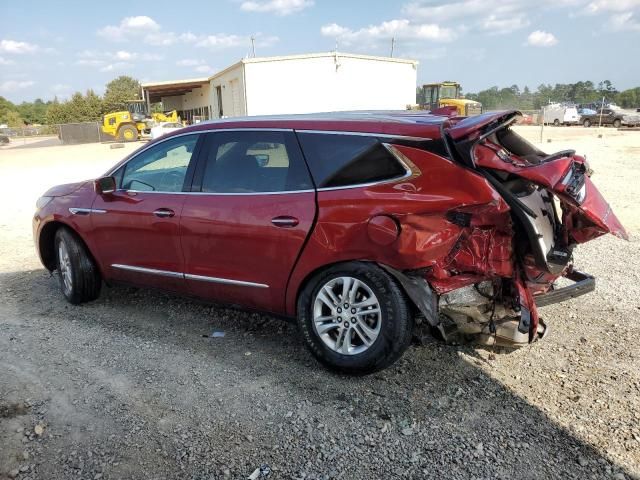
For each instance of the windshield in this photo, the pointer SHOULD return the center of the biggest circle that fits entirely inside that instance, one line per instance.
(137, 107)
(449, 91)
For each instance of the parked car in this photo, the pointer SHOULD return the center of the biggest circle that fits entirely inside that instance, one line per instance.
(164, 128)
(357, 224)
(608, 116)
(561, 115)
(4, 139)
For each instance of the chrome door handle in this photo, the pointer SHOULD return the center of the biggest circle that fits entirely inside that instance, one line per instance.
(285, 221)
(164, 213)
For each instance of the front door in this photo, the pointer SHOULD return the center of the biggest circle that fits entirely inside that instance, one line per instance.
(242, 233)
(136, 238)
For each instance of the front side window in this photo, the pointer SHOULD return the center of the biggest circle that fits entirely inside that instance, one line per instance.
(161, 168)
(337, 160)
(254, 162)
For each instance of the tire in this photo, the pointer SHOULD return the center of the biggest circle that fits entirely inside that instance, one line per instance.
(128, 133)
(617, 123)
(556, 123)
(79, 277)
(586, 123)
(393, 323)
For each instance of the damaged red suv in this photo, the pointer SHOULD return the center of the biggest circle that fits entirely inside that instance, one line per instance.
(357, 224)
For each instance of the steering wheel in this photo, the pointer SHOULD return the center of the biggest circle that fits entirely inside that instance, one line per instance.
(557, 155)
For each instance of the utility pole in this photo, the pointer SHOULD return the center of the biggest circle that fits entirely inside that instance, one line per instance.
(253, 46)
(393, 44)
(601, 107)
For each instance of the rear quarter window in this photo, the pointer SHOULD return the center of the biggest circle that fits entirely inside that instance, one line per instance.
(337, 160)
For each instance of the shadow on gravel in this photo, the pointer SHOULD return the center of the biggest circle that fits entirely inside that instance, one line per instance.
(444, 413)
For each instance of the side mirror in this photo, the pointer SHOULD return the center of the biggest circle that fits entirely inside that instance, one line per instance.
(104, 185)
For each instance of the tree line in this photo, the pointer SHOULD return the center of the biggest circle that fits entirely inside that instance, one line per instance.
(496, 98)
(81, 107)
(90, 107)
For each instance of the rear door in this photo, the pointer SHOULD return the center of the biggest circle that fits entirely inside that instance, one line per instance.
(247, 219)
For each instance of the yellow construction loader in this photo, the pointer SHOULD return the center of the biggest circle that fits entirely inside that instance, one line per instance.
(447, 94)
(135, 122)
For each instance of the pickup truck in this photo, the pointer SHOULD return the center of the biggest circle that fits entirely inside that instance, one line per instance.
(608, 116)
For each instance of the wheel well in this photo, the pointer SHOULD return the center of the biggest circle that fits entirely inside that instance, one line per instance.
(47, 248)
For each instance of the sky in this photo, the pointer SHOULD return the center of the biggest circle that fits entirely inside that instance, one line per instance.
(50, 49)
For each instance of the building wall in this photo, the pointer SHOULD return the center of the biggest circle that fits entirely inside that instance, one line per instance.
(329, 83)
(231, 82)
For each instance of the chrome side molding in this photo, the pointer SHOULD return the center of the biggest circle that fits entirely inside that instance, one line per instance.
(188, 276)
(85, 211)
(225, 281)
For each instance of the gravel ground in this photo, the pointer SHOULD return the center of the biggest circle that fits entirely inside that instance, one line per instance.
(130, 387)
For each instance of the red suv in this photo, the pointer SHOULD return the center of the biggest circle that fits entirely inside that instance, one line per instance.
(358, 224)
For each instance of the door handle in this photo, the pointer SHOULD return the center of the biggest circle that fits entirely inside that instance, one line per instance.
(285, 221)
(164, 213)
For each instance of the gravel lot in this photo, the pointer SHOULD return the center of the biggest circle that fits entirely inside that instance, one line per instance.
(128, 387)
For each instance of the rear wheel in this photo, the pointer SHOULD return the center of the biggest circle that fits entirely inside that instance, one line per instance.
(79, 277)
(355, 318)
(128, 133)
(617, 123)
(586, 123)
(556, 122)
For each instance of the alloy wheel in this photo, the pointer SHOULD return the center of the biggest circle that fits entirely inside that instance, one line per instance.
(65, 267)
(347, 315)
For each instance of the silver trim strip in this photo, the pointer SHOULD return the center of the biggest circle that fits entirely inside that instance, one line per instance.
(85, 211)
(152, 271)
(225, 281)
(367, 134)
(188, 276)
(222, 193)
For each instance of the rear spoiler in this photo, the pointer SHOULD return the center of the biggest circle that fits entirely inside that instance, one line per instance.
(483, 124)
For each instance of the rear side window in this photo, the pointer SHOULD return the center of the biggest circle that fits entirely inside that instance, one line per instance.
(342, 160)
(254, 162)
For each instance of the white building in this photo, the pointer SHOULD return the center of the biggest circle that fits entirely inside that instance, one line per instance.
(320, 82)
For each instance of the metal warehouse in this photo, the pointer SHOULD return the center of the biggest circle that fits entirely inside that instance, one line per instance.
(307, 83)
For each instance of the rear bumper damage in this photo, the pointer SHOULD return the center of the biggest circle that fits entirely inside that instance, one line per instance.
(583, 284)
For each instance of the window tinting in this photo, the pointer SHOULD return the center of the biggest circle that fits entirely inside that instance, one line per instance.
(161, 168)
(254, 162)
(340, 160)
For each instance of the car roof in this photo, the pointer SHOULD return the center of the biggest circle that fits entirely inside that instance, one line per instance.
(396, 122)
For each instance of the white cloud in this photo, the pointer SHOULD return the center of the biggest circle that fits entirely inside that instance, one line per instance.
(124, 55)
(13, 85)
(128, 27)
(117, 66)
(279, 7)
(5, 61)
(15, 47)
(189, 62)
(108, 61)
(540, 38)
(497, 25)
(624, 21)
(203, 69)
(220, 41)
(600, 6)
(401, 29)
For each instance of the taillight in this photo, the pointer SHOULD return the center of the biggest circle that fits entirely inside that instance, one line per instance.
(574, 182)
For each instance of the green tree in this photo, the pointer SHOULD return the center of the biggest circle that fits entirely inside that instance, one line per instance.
(14, 119)
(118, 92)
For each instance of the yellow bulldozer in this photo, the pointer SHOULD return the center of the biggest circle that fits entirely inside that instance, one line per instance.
(447, 94)
(135, 122)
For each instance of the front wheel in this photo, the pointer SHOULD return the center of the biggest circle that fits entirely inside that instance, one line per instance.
(586, 123)
(128, 133)
(79, 277)
(617, 123)
(355, 318)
